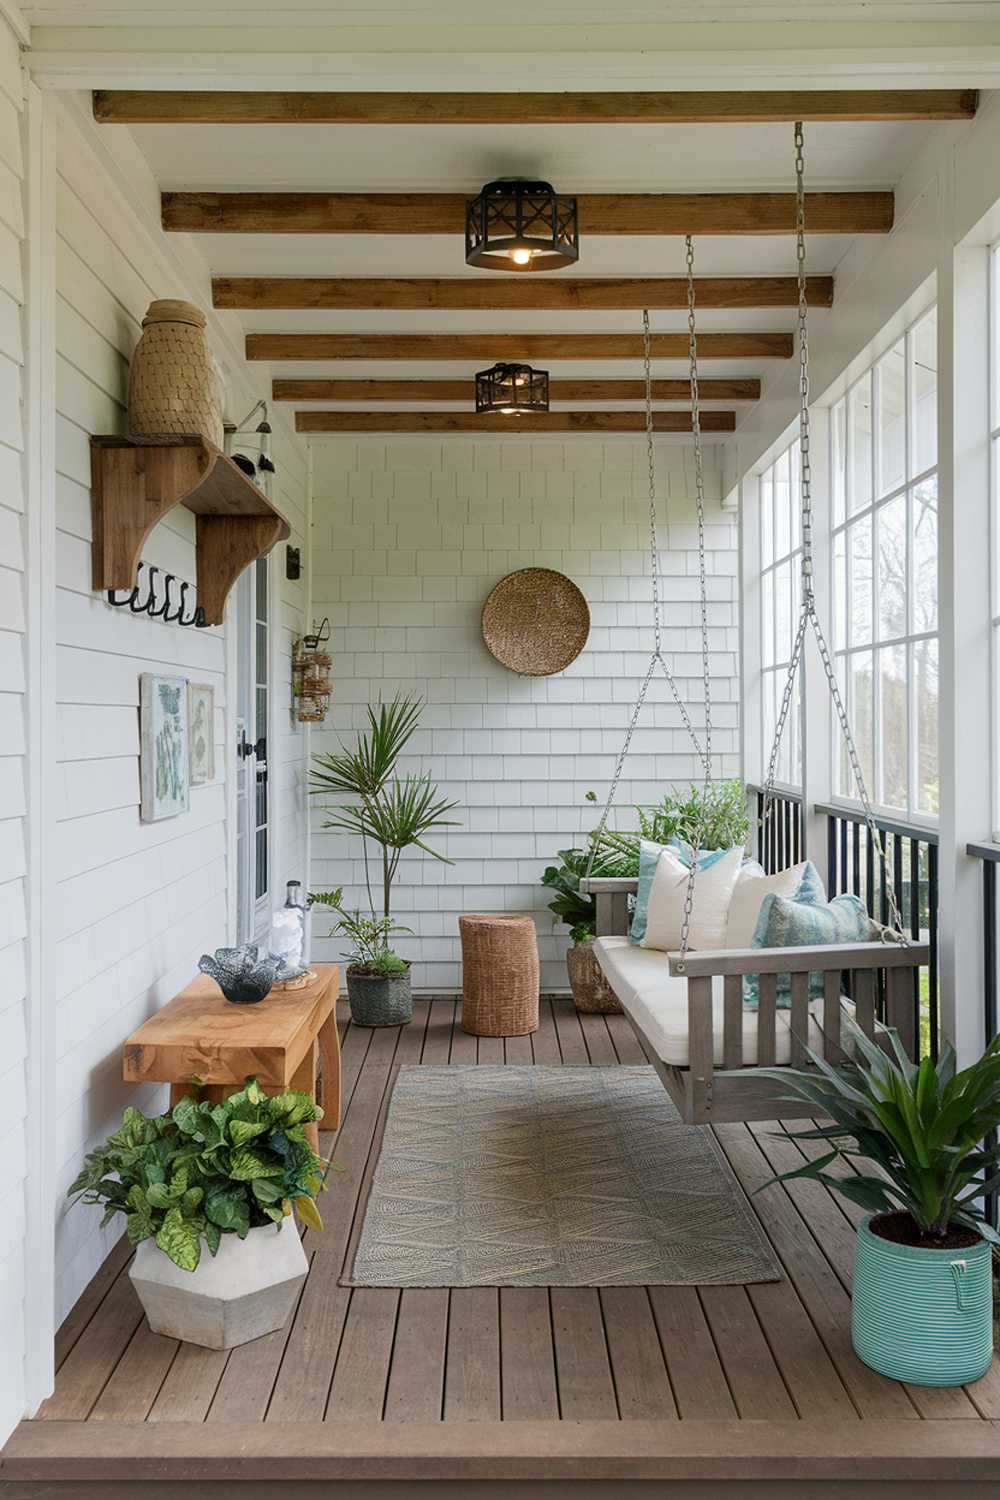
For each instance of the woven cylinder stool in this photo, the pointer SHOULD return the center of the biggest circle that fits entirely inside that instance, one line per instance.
(499, 975)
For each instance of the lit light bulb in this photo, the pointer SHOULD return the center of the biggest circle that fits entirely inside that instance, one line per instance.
(507, 411)
(521, 257)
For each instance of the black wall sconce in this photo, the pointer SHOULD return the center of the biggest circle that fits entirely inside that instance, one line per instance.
(293, 563)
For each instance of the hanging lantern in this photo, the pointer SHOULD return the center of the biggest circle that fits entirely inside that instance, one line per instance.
(515, 224)
(514, 390)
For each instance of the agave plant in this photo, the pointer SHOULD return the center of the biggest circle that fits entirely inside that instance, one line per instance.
(927, 1127)
(394, 813)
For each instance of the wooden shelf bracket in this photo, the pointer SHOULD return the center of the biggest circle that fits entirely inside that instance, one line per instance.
(135, 482)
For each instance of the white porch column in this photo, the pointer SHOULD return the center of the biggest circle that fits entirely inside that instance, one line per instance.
(964, 613)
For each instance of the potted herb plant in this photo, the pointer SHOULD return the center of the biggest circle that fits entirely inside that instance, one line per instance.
(394, 814)
(378, 980)
(922, 1298)
(224, 1178)
(591, 991)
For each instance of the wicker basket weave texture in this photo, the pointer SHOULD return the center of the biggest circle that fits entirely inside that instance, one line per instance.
(172, 387)
(499, 975)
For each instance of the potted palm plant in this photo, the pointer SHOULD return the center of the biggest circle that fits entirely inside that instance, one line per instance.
(224, 1177)
(922, 1298)
(394, 813)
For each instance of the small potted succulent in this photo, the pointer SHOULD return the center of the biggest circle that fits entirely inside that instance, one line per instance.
(394, 814)
(224, 1178)
(378, 980)
(922, 1301)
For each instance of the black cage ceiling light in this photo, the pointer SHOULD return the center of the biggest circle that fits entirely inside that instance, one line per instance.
(514, 390)
(521, 225)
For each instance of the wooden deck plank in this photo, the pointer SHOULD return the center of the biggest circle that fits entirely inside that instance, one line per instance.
(572, 1047)
(437, 1037)
(697, 1379)
(137, 1378)
(517, 1051)
(640, 1374)
(246, 1383)
(583, 1369)
(92, 1360)
(527, 1356)
(362, 1370)
(753, 1158)
(490, 1051)
(464, 1046)
(545, 1042)
(472, 1378)
(416, 1376)
(86, 1305)
(191, 1382)
(753, 1376)
(600, 1048)
(627, 1047)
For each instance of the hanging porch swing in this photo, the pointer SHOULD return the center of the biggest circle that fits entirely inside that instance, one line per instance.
(688, 1007)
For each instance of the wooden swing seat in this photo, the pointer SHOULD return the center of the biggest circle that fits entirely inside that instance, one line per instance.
(706, 1044)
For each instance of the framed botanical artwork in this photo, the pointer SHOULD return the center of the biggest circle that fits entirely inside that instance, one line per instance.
(201, 733)
(163, 746)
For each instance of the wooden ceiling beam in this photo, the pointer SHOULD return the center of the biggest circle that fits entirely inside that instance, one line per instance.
(530, 346)
(598, 213)
(513, 293)
(476, 422)
(291, 389)
(211, 107)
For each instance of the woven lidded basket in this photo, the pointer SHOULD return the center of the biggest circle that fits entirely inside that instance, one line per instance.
(499, 975)
(536, 622)
(172, 387)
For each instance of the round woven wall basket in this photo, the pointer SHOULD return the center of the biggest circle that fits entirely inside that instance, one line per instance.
(536, 622)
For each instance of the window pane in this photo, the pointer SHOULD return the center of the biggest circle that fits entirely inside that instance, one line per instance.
(782, 612)
(839, 459)
(782, 542)
(840, 760)
(925, 555)
(767, 620)
(795, 494)
(891, 386)
(859, 417)
(766, 519)
(892, 729)
(923, 376)
(839, 591)
(861, 582)
(861, 715)
(767, 718)
(892, 569)
(925, 677)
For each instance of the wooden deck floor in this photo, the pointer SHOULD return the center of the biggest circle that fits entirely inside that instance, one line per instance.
(486, 1376)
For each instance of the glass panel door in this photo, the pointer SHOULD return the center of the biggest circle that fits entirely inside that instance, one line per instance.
(252, 782)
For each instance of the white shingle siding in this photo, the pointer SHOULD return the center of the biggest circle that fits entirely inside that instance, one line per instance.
(409, 537)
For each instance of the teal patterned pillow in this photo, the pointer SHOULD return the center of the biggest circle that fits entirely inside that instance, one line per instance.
(787, 923)
(649, 856)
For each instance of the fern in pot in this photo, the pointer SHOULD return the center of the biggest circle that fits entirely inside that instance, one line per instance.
(208, 1193)
(390, 814)
(922, 1297)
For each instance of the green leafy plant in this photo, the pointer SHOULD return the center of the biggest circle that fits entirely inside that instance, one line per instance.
(923, 1126)
(205, 1170)
(569, 904)
(368, 936)
(394, 813)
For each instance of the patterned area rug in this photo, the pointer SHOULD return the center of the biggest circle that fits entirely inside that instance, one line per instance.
(495, 1176)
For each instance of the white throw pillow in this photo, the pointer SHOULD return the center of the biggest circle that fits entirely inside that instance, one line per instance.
(749, 891)
(713, 889)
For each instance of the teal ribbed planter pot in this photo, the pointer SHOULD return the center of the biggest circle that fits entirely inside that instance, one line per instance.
(923, 1316)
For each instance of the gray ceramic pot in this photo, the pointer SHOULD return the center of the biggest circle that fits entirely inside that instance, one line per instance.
(378, 1001)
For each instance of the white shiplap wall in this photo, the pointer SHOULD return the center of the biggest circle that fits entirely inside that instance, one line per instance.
(137, 903)
(408, 539)
(13, 732)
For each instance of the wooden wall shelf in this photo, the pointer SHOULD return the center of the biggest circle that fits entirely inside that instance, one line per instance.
(135, 482)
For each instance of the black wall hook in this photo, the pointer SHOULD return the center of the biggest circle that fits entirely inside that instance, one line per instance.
(148, 605)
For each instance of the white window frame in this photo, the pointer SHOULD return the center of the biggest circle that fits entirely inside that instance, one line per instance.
(840, 527)
(772, 666)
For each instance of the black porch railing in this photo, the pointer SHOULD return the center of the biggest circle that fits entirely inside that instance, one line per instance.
(777, 838)
(989, 856)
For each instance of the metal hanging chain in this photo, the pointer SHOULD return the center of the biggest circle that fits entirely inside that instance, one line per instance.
(699, 487)
(657, 659)
(809, 614)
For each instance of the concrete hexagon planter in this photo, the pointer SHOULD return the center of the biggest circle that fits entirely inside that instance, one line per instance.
(245, 1291)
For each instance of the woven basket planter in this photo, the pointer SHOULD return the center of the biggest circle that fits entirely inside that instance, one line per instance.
(499, 975)
(380, 1001)
(591, 991)
(172, 387)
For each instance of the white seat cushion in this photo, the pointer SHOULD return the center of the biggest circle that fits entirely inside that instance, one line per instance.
(658, 1001)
